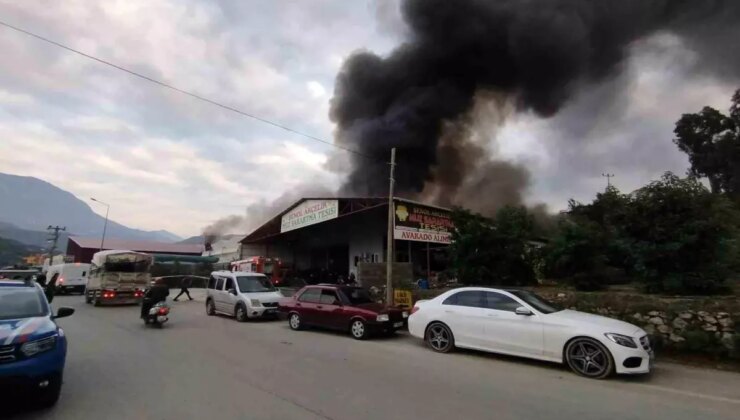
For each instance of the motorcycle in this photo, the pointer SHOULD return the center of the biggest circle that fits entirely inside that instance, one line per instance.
(158, 314)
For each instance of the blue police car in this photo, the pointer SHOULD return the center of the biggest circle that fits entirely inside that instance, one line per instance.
(32, 346)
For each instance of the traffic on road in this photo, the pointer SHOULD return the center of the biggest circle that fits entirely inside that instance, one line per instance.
(204, 367)
(508, 322)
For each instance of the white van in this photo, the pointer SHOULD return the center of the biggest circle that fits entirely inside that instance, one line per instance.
(71, 277)
(242, 295)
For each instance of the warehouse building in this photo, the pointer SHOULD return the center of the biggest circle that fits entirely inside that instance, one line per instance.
(330, 238)
(82, 249)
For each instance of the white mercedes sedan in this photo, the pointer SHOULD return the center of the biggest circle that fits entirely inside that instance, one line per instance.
(520, 323)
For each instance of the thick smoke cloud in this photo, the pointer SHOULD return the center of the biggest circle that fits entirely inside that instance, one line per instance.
(260, 212)
(527, 55)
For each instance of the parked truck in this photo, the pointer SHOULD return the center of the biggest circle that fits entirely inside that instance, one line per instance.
(118, 277)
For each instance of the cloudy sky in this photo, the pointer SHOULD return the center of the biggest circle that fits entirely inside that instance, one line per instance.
(166, 161)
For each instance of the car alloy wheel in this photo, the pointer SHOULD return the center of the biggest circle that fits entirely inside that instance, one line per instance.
(241, 313)
(210, 309)
(358, 329)
(295, 321)
(439, 338)
(587, 357)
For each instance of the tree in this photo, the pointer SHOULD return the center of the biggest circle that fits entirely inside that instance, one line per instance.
(683, 237)
(712, 142)
(493, 251)
(577, 254)
(589, 248)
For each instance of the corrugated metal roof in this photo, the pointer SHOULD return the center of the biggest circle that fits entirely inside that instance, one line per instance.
(140, 246)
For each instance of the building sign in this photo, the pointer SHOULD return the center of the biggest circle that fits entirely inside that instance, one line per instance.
(414, 222)
(308, 213)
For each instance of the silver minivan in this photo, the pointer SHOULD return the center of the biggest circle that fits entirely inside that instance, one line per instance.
(242, 295)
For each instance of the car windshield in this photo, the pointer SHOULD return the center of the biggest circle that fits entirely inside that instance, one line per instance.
(25, 302)
(253, 284)
(357, 296)
(536, 301)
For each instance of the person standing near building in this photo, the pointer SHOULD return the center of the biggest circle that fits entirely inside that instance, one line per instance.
(184, 285)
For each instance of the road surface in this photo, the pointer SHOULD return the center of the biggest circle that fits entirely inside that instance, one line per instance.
(216, 368)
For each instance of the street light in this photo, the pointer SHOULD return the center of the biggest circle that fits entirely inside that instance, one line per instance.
(105, 226)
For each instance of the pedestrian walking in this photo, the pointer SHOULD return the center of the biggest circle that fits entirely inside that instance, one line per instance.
(184, 284)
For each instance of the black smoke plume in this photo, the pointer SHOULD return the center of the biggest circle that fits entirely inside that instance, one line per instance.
(531, 55)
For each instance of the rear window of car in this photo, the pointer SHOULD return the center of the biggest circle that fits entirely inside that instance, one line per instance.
(310, 295)
(472, 298)
(356, 295)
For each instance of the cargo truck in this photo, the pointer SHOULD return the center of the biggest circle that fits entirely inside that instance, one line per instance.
(118, 277)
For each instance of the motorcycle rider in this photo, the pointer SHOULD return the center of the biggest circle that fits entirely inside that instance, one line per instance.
(157, 293)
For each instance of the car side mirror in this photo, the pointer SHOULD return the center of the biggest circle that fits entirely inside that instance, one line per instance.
(64, 312)
(232, 291)
(523, 311)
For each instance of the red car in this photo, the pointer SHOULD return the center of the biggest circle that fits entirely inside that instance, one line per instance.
(343, 308)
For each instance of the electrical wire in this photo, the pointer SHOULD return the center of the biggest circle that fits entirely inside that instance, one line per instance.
(188, 93)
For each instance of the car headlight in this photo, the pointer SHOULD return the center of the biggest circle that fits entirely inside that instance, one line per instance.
(622, 340)
(39, 346)
(255, 302)
(405, 314)
(382, 318)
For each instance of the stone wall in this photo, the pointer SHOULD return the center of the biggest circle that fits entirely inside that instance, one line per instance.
(676, 324)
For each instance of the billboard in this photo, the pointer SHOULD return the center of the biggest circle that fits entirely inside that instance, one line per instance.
(416, 222)
(309, 212)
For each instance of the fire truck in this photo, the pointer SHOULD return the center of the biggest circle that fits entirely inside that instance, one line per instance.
(270, 267)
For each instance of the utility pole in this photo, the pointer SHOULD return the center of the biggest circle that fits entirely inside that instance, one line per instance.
(105, 226)
(608, 177)
(391, 222)
(53, 238)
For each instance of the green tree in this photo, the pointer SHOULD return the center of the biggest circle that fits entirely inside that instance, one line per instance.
(576, 254)
(493, 251)
(712, 142)
(589, 248)
(683, 236)
(608, 213)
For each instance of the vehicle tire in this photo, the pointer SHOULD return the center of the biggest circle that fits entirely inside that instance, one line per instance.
(358, 329)
(295, 322)
(210, 308)
(88, 297)
(96, 300)
(587, 357)
(50, 395)
(439, 337)
(240, 312)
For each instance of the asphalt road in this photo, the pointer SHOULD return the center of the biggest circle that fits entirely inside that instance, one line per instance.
(216, 368)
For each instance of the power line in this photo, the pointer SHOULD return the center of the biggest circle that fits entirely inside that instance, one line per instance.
(185, 92)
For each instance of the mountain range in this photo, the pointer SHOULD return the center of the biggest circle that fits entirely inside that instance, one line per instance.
(28, 205)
